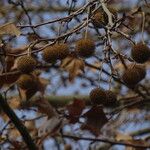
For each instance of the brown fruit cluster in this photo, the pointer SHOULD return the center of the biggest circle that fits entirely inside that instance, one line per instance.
(133, 75)
(8, 79)
(111, 98)
(100, 18)
(26, 64)
(57, 51)
(140, 53)
(85, 47)
(100, 97)
(27, 81)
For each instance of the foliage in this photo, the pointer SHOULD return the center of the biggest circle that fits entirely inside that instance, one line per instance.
(49, 49)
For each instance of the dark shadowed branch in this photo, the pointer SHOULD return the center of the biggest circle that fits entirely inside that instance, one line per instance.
(21, 128)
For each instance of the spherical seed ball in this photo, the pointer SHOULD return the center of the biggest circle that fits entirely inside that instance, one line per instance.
(26, 64)
(8, 79)
(67, 147)
(85, 47)
(98, 19)
(111, 98)
(141, 71)
(27, 81)
(57, 51)
(50, 54)
(133, 75)
(140, 53)
(98, 96)
(62, 50)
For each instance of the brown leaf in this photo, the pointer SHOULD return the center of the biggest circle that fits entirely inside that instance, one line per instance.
(42, 84)
(16, 145)
(73, 65)
(9, 62)
(9, 28)
(13, 133)
(4, 117)
(30, 125)
(8, 79)
(122, 137)
(27, 94)
(95, 120)
(14, 102)
(75, 109)
(44, 107)
(50, 126)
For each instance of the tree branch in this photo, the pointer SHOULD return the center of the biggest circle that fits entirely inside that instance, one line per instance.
(105, 141)
(21, 128)
(140, 132)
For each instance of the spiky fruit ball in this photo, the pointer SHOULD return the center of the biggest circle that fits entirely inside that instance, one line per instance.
(50, 54)
(63, 50)
(26, 64)
(134, 74)
(67, 147)
(8, 79)
(57, 51)
(98, 96)
(140, 53)
(27, 81)
(111, 98)
(98, 19)
(85, 47)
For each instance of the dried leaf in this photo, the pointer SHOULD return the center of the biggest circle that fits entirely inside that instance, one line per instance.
(73, 65)
(30, 125)
(9, 62)
(9, 79)
(16, 145)
(13, 133)
(45, 107)
(42, 84)
(75, 109)
(50, 127)
(123, 137)
(14, 102)
(4, 117)
(27, 94)
(9, 28)
(95, 120)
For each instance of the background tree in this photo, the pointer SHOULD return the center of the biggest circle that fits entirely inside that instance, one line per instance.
(74, 74)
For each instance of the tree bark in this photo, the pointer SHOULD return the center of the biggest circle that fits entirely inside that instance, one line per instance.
(18, 124)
